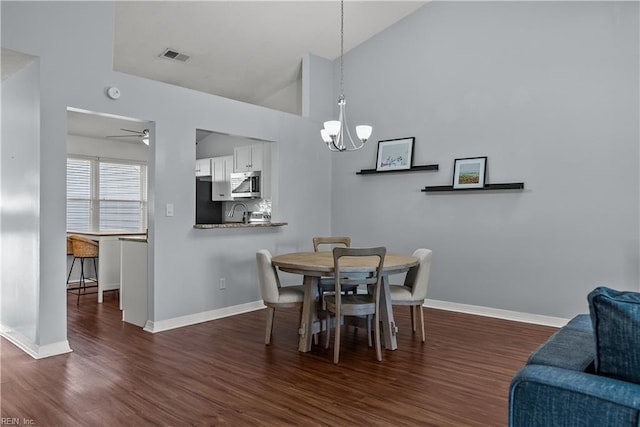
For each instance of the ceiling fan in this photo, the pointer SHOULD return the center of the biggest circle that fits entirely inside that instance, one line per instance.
(144, 134)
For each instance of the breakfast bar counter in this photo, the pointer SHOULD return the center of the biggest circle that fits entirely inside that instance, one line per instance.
(108, 255)
(240, 225)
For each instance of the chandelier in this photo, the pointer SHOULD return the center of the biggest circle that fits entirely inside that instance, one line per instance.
(334, 131)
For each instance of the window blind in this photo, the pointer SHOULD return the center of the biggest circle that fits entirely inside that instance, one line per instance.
(78, 194)
(106, 195)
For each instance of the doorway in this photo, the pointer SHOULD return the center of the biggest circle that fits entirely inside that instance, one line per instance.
(107, 195)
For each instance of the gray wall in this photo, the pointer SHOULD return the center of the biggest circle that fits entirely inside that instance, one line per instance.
(19, 202)
(549, 92)
(73, 41)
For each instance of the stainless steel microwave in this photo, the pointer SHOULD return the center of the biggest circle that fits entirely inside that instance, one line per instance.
(246, 185)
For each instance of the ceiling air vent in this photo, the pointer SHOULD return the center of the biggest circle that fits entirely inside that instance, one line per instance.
(174, 55)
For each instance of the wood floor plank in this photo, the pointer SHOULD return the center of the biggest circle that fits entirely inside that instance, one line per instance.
(221, 373)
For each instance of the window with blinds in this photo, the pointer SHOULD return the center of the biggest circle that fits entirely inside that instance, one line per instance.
(106, 195)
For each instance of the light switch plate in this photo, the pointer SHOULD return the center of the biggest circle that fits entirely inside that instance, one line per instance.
(169, 209)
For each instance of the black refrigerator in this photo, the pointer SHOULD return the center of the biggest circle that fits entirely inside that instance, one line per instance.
(207, 211)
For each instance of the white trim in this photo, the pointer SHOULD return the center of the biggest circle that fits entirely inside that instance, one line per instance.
(205, 316)
(515, 316)
(32, 349)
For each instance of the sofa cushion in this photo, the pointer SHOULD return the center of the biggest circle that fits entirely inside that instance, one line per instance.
(616, 323)
(571, 347)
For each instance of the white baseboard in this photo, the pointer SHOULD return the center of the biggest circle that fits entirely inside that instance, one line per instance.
(61, 347)
(192, 319)
(32, 349)
(515, 316)
(205, 316)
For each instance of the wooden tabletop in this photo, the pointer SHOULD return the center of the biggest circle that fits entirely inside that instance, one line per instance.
(321, 263)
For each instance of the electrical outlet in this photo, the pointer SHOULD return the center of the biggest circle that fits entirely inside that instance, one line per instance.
(223, 283)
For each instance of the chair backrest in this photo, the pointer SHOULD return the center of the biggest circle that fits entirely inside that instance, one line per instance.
(343, 268)
(83, 247)
(417, 277)
(267, 277)
(333, 241)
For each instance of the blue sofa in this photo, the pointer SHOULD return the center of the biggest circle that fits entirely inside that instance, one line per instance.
(587, 373)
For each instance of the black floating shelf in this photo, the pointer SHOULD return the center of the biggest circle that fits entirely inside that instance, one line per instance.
(488, 187)
(413, 169)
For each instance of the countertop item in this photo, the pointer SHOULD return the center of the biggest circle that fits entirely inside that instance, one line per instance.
(241, 225)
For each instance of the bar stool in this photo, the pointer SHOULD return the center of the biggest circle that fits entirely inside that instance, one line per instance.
(85, 249)
(70, 252)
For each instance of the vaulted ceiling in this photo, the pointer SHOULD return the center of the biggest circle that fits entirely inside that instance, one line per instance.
(243, 50)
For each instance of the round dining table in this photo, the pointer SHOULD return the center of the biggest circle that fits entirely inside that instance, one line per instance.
(314, 265)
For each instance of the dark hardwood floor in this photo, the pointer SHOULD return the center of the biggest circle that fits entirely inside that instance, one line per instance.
(221, 373)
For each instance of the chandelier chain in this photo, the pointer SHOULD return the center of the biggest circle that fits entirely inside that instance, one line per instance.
(341, 47)
(333, 133)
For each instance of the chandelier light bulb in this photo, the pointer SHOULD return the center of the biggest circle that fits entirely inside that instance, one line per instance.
(332, 127)
(325, 135)
(363, 132)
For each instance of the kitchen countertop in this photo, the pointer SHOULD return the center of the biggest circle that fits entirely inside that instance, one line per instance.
(141, 239)
(240, 225)
(108, 233)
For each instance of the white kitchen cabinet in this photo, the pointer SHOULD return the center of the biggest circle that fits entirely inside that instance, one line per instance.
(203, 167)
(248, 158)
(221, 168)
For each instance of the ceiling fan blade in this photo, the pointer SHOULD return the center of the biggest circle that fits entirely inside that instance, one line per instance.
(123, 136)
(133, 131)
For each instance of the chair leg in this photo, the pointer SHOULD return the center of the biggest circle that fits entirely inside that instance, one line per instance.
(71, 269)
(336, 342)
(327, 336)
(369, 329)
(413, 317)
(421, 321)
(270, 315)
(377, 338)
(81, 285)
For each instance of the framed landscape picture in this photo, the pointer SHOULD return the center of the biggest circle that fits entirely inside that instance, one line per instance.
(469, 172)
(395, 154)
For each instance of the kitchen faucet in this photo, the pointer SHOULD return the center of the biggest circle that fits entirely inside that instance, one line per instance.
(245, 215)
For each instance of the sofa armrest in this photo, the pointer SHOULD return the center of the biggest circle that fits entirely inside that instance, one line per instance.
(551, 396)
(571, 347)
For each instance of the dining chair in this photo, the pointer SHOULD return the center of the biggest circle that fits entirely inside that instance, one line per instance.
(355, 304)
(84, 249)
(326, 284)
(273, 294)
(414, 290)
